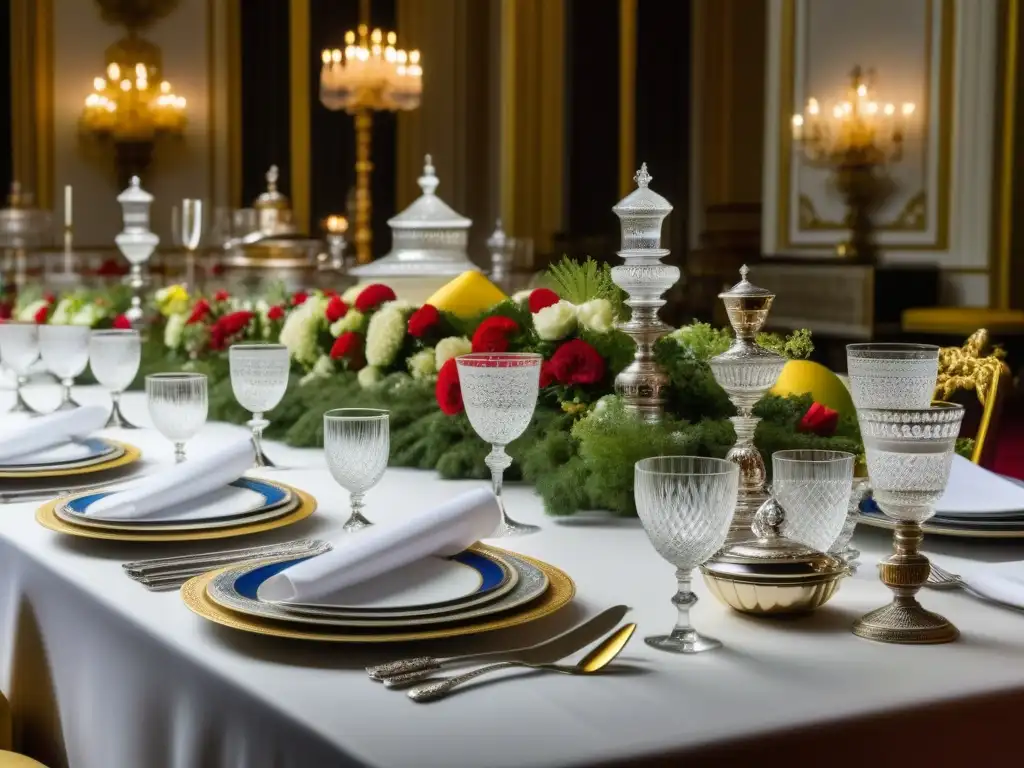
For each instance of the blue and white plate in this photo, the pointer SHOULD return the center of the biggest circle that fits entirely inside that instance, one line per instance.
(76, 453)
(237, 589)
(244, 501)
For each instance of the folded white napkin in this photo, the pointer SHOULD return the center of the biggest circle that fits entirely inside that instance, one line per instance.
(48, 431)
(176, 485)
(442, 531)
(973, 490)
(1002, 582)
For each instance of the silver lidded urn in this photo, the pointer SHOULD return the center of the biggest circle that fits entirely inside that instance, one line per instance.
(136, 242)
(642, 384)
(746, 371)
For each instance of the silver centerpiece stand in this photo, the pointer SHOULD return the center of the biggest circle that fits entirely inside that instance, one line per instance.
(642, 384)
(746, 371)
(136, 242)
(501, 255)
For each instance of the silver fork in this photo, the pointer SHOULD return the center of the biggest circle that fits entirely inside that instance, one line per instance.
(940, 578)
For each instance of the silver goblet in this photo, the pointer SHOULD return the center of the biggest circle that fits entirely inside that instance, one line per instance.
(259, 379)
(114, 357)
(909, 456)
(685, 504)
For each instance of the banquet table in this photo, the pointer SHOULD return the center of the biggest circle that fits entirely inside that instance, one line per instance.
(104, 674)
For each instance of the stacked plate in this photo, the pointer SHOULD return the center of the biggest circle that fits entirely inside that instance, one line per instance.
(480, 589)
(977, 504)
(85, 456)
(245, 506)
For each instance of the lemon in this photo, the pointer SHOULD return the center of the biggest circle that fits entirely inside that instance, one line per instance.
(805, 377)
(468, 294)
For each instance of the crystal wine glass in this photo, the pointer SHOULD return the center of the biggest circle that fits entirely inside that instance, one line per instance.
(19, 349)
(685, 504)
(357, 442)
(909, 455)
(178, 406)
(500, 391)
(813, 488)
(65, 350)
(892, 375)
(114, 357)
(259, 378)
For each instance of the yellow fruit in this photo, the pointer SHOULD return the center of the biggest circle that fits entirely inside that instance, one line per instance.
(804, 377)
(468, 294)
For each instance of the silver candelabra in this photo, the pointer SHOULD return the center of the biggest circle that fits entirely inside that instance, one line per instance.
(136, 242)
(746, 371)
(644, 278)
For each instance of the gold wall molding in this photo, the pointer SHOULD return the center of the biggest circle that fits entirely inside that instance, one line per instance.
(1009, 183)
(299, 117)
(913, 217)
(627, 95)
(32, 137)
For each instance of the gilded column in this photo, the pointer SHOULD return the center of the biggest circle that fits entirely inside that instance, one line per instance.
(298, 24)
(31, 48)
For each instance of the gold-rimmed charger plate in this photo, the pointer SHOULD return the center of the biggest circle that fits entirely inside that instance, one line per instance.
(131, 454)
(939, 530)
(47, 517)
(560, 592)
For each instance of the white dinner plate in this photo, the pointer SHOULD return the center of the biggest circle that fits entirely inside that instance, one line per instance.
(81, 453)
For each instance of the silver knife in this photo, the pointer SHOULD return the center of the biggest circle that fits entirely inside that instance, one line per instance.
(182, 562)
(397, 674)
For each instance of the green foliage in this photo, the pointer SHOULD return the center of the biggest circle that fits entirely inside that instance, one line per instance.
(796, 346)
(965, 447)
(579, 283)
(700, 341)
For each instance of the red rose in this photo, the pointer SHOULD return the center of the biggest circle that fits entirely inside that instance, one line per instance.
(228, 326)
(350, 347)
(372, 296)
(542, 297)
(276, 312)
(448, 391)
(199, 312)
(819, 419)
(49, 298)
(423, 320)
(547, 376)
(122, 323)
(42, 313)
(492, 334)
(299, 297)
(6, 310)
(576, 362)
(336, 309)
(221, 296)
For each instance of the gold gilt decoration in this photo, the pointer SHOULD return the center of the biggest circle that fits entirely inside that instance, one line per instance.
(976, 365)
(913, 217)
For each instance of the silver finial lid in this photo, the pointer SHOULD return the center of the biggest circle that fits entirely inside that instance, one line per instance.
(498, 240)
(641, 214)
(134, 193)
(428, 211)
(428, 181)
(272, 198)
(745, 289)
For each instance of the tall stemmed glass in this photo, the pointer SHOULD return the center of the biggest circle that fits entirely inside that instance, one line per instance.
(500, 391)
(813, 488)
(114, 357)
(892, 375)
(909, 456)
(178, 406)
(357, 442)
(19, 349)
(685, 504)
(65, 350)
(187, 226)
(259, 378)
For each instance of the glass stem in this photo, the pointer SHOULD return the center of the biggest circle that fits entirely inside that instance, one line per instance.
(257, 424)
(498, 461)
(356, 503)
(179, 453)
(20, 404)
(65, 398)
(684, 599)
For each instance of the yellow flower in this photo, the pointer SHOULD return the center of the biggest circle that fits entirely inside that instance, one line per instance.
(171, 300)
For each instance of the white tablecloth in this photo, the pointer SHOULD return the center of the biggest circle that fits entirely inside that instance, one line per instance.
(103, 674)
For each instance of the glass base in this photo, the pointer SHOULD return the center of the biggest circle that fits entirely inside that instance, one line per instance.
(263, 461)
(356, 522)
(509, 527)
(905, 623)
(68, 405)
(20, 406)
(118, 421)
(687, 641)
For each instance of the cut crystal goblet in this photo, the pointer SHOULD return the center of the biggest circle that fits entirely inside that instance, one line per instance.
(685, 504)
(114, 357)
(500, 391)
(813, 488)
(65, 350)
(357, 442)
(178, 406)
(259, 379)
(892, 376)
(19, 349)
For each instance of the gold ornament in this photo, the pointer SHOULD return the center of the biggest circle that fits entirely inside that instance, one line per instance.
(975, 365)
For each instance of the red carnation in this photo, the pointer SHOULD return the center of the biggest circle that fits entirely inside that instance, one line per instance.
(819, 419)
(299, 297)
(372, 296)
(448, 391)
(542, 297)
(49, 298)
(221, 296)
(547, 376)
(350, 347)
(276, 312)
(199, 312)
(42, 313)
(228, 326)
(336, 309)
(423, 320)
(123, 323)
(492, 334)
(576, 362)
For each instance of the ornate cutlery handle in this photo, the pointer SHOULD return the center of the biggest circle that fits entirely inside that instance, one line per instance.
(442, 688)
(407, 678)
(404, 667)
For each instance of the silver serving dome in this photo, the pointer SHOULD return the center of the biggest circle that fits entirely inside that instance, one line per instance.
(428, 238)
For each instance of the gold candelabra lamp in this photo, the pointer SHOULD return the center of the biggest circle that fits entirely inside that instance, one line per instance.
(857, 138)
(369, 75)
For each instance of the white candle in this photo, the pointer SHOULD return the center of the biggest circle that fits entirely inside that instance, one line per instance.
(67, 206)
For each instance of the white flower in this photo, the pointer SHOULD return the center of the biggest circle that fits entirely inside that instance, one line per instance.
(453, 346)
(521, 297)
(63, 312)
(88, 315)
(421, 365)
(28, 314)
(555, 322)
(322, 369)
(301, 328)
(350, 296)
(352, 321)
(596, 315)
(173, 330)
(369, 376)
(385, 334)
